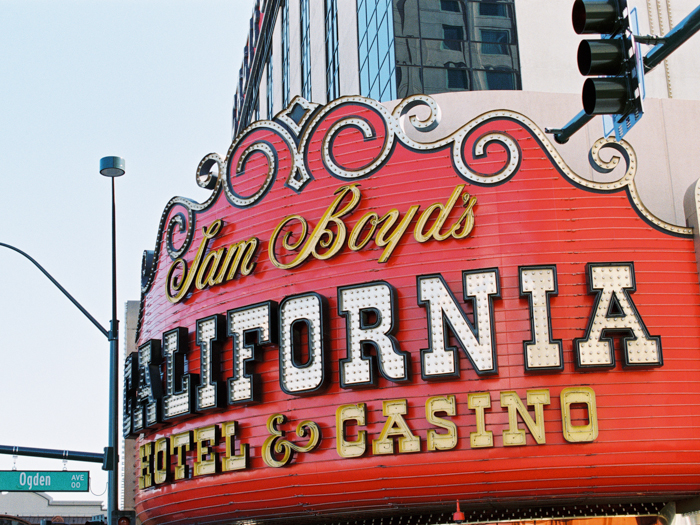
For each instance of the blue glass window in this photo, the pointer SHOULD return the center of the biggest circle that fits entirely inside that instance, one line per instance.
(489, 9)
(456, 79)
(332, 63)
(500, 80)
(452, 37)
(495, 42)
(285, 54)
(443, 45)
(305, 50)
(376, 49)
(270, 92)
(449, 5)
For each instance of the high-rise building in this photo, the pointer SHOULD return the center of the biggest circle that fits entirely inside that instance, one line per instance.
(389, 49)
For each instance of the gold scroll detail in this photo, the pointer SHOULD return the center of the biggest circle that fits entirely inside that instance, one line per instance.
(277, 444)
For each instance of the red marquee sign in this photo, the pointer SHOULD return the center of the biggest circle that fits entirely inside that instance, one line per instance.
(356, 322)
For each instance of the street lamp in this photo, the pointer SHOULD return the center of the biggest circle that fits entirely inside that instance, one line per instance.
(113, 167)
(109, 167)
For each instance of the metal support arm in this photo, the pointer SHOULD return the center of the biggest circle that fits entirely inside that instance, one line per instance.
(58, 285)
(666, 45)
(673, 40)
(73, 455)
(563, 135)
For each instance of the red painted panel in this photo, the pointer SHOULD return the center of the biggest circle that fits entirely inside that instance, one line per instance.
(541, 214)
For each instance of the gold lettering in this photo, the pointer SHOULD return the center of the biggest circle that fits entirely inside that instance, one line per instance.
(444, 441)
(482, 438)
(286, 240)
(358, 413)
(215, 258)
(395, 425)
(205, 459)
(161, 462)
(145, 474)
(467, 217)
(242, 251)
(443, 214)
(182, 286)
(370, 217)
(230, 461)
(249, 252)
(392, 239)
(234, 249)
(180, 445)
(515, 436)
(579, 433)
(322, 236)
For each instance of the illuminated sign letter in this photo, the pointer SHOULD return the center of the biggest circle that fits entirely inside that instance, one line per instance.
(542, 352)
(515, 436)
(231, 461)
(206, 439)
(146, 469)
(479, 402)
(180, 444)
(302, 323)
(614, 311)
(478, 341)
(259, 321)
(395, 425)
(150, 391)
(179, 387)
(161, 461)
(579, 433)
(345, 448)
(210, 392)
(443, 440)
(370, 319)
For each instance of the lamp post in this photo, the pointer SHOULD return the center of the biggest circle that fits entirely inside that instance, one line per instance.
(109, 167)
(113, 167)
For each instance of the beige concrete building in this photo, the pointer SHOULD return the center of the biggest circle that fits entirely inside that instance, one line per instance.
(36, 506)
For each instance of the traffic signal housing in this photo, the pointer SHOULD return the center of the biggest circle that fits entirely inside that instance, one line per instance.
(612, 60)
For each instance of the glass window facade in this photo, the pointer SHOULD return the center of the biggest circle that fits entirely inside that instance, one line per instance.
(332, 63)
(305, 50)
(376, 49)
(270, 92)
(445, 45)
(285, 53)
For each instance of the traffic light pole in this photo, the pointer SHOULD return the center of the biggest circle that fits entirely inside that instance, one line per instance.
(667, 45)
(108, 459)
(673, 40)
(72, 455)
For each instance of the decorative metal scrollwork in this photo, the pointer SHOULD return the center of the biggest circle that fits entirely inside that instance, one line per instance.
(277, 444)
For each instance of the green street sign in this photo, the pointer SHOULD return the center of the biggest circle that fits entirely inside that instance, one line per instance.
(44, 481)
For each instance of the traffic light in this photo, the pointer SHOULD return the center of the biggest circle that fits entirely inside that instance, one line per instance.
(613, 59)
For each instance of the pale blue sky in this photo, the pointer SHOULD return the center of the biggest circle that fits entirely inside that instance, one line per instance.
(150, 81)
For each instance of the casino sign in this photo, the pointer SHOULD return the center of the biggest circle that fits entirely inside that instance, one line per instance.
(356, 323)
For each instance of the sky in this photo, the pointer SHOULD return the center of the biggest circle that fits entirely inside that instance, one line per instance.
(151, 81)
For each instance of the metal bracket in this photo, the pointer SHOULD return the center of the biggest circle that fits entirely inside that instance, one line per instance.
(650, 40)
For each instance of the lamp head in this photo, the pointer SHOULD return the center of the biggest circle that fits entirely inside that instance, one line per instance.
(112, 166)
